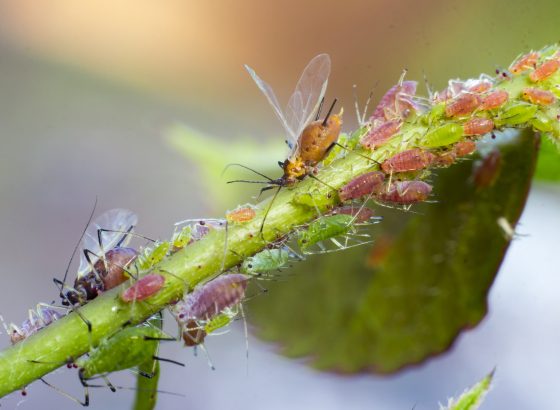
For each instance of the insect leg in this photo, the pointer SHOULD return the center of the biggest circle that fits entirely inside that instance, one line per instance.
(269, 206)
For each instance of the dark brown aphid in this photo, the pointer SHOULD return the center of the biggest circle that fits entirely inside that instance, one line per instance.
(366, 184)
(464, 148)
(545, 70)
(485, 173)
(406, 192)
(381, 134)
(538, 96)
(463, 104)
(494, 100)
(193, 333)
(145, 287)
(410, 160)
(526, 62)
(361, 213)
(478, 126)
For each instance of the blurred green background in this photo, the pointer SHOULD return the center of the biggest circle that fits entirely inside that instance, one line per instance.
(88, 90)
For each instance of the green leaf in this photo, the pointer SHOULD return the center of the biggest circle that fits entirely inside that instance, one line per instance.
(472, 398)
(425, 280)
(548, 165)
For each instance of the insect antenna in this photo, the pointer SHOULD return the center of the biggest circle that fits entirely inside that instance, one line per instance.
(320, 108)
(162, 359)
(361, 117)
(324, 124)
(63, 282)
(245, 167)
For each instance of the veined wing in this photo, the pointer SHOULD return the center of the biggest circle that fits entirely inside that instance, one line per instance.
(309, 92)
(119, 220)
(271, 97)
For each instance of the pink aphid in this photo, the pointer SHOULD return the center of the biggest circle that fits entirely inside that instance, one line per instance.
(538, 96)
(410, 160)
(43, 316)
(464, 148)
(366, 184)
(145, 287)
(464, 104)
(361, 213)
(479, 85)
(478, 126)
(406, 192)
(545, 70)
(381, 134)
(494, 100)
(213, 297)
(526, 62)
(396, 104)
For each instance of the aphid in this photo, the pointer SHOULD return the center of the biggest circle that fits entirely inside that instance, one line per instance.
(543, 122)
(151, 256)
(545, 70)
(406, 192)
(464, 148)
(366, 184)
(516, 113)
(486, 171)
(397, 103)
(446, 134)
(478, 126)
(181, 238)
(104, 258)
(131, 347)
(145, 287)
(211, 298)
(381, 134)
(324, 228)
(464, 104)
(494, 100)
(479, 86)
(242, 214)
(41, 317)
(310, 141)
(361, 214)
(314, 198)
(526, 62)
(410, 160)
(266, 260)
(538, 96)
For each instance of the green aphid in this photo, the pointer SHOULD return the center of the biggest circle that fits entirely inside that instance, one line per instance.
(313, 199)
(324, 228)
(152, 256)
(436, 113)
(542, 122)
(442, 136)
(516, 113)
(218, 322)
(267, 260)
(182, 238)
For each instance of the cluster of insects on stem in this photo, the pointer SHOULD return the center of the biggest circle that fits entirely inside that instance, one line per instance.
(401, 141)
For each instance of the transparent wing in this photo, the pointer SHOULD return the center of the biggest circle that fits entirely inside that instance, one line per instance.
(271, 97)
(310, 89)
(119, 220)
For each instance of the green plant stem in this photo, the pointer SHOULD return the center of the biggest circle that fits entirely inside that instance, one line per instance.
(68, 338)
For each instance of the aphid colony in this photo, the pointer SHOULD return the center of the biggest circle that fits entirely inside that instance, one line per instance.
(425, 133)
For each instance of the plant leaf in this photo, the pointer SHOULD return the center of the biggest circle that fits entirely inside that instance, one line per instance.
(425, 280)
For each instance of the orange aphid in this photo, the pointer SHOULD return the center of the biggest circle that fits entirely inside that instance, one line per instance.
(526, 62)
(545, 70)
(240, 215)
(478, 126)
(494, 100)
(464, 148)
(381, 134)
(538, 96)
(463, 104)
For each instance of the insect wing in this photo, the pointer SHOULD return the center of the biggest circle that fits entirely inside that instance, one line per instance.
(309, 92)
(120, 220)
(271, 97)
